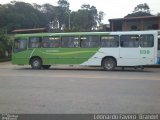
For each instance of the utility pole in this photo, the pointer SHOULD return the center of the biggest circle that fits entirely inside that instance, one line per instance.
(69, 19)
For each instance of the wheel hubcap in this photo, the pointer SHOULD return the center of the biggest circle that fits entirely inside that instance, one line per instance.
(36, 63)
(109, 65)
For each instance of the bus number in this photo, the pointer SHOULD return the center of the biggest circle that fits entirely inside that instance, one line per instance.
(144, 52)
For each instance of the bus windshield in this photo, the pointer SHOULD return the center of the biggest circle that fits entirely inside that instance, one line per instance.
(20, 45)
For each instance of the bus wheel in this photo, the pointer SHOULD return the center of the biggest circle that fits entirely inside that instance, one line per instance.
(46, 66)
(36, 63)
(109, 64)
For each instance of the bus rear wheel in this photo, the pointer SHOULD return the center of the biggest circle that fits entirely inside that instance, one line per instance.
(36, 63)
(46, 66)
(109, 64)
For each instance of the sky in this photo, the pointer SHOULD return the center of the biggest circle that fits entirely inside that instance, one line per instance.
(111, 8)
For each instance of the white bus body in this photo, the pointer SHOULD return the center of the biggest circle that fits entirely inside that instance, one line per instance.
(128, 56)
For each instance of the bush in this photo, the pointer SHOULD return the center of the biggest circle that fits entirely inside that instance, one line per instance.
(5, 45)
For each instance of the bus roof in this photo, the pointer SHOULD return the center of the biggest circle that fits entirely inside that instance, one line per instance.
(85, 33)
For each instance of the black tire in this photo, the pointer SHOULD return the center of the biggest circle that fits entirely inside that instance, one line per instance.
(36, 63)
(46, 66)
(109, 64)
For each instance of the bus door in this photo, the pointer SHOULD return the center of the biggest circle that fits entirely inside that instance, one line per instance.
(129, 50)
(20, 55)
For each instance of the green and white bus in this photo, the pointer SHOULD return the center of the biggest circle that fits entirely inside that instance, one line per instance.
(105, 49)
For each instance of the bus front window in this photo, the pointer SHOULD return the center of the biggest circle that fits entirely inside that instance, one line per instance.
(20, 45)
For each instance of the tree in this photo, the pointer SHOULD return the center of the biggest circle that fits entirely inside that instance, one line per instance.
(85, 19)
(85, 7)
(100, 17)
(64, 4)
(140, 10)
(21, 15)
(5, 44)
(63, 13)
(49, 12)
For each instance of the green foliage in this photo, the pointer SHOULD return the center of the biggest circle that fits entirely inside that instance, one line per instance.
(64, 4)
(5, 44)
(21, 15)
(138, 14)
(86, 18)
(18, 15)
(140, 10)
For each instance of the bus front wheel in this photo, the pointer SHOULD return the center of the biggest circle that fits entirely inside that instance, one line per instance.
(36, 63)
(109, 64)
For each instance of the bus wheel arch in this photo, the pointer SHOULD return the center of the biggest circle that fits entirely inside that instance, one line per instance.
(109, 63)
(36, 62)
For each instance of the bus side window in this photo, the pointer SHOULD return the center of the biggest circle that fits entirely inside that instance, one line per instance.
(34, 42)
(70, 42)
(51, 42)
(45, 44)
(90, 41)
(110, 41)
(20, 44)
(146, 41)
(130, 41)
(16, 44)
(55, 44)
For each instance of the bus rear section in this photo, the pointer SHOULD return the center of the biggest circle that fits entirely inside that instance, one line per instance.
(137, 49)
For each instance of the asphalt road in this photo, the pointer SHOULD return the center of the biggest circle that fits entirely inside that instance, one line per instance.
(64, 89)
